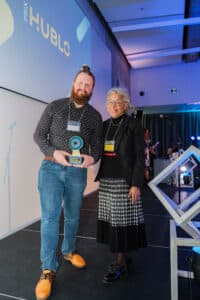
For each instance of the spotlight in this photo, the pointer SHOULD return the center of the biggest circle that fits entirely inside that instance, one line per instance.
(194, 138)
(196, 263)
(183, 168)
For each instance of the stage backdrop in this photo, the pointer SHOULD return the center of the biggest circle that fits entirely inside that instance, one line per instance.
(42, 46)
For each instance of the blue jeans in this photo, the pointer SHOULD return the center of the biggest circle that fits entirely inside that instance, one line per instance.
(56, 184)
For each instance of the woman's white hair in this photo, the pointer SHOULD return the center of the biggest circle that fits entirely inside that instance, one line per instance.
(122, 92)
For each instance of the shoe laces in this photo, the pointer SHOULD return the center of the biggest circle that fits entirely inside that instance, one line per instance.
(48, 275)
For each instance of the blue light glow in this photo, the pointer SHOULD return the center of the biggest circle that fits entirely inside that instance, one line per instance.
(196, 250)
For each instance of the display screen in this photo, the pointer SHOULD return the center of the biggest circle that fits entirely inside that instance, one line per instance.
(42, 46)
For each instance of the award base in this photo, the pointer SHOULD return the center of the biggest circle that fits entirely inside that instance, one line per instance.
(75, 160)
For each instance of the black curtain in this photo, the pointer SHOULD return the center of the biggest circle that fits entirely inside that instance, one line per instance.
(173, 128)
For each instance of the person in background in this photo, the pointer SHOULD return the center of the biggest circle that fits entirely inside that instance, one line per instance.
(67, 124)
(150, 152)
(175, 151)
(121, 174)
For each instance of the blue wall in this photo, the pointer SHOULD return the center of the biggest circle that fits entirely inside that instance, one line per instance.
(120, 67)
(157, 84)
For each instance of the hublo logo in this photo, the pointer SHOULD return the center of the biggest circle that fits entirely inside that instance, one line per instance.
(6, 22)
(47, 31)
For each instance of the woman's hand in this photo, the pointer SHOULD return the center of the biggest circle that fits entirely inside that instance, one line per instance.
(134, 194)
(88, 161)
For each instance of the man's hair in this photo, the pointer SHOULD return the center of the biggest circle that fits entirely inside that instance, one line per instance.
(85, 69)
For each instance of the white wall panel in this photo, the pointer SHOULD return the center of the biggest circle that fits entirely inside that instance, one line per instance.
(20, 159)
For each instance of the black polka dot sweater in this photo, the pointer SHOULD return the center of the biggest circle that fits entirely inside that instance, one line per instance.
(53, 134)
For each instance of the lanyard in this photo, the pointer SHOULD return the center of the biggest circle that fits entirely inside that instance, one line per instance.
(70, 113)
(74, 125)
(116, 131)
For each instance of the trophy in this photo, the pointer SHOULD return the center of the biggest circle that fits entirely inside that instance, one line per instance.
(75, 144)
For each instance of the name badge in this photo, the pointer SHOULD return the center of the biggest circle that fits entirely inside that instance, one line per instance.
(109, 146)
(73, 126)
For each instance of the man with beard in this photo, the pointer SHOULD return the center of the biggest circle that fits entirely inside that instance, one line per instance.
(66, 125)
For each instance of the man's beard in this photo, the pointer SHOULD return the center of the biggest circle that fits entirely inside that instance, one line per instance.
(80, 100)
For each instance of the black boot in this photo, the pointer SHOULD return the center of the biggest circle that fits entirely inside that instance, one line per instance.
(115, 272)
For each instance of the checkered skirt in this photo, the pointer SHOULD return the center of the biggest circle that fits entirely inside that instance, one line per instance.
(120, 223)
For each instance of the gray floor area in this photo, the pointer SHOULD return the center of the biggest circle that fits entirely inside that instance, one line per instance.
(149, 276)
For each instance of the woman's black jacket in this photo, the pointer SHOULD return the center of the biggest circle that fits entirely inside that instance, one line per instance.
(129, 146)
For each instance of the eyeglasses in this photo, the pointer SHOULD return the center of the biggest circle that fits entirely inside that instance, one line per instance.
(114, 102)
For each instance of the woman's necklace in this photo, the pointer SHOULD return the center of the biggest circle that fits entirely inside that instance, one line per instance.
(109, 145)
(117, 129)
(115, 123)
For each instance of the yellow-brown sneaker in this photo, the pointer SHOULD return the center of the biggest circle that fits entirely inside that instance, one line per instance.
(76, 260)
(44, 285)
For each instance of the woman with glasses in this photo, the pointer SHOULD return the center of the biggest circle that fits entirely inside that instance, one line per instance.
(121, 173)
